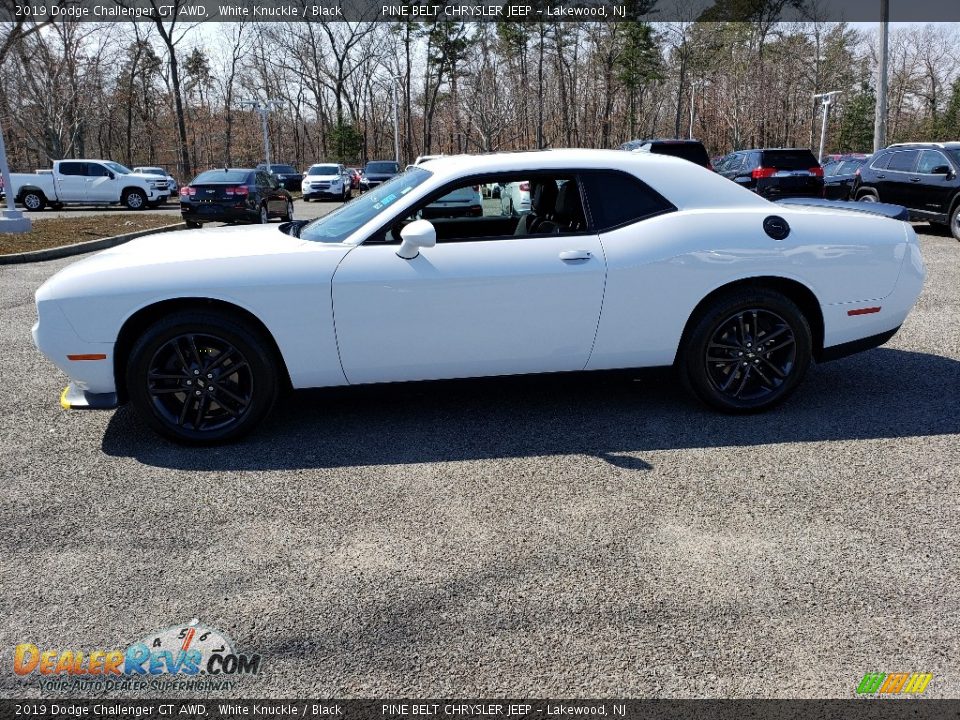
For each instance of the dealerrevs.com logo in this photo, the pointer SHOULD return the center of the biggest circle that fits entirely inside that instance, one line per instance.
(888, 684)
(184, 657)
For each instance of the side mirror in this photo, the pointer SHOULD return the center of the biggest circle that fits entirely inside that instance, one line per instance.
(416, 235)
(941, 170)
(112, 176)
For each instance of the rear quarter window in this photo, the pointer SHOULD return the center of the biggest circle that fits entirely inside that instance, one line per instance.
(617, 198)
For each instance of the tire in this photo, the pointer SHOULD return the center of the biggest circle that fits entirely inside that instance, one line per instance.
(34, 200)
(264, 215)
(193, 224)
(868, 196)
(721, 342)
(200, 378)
(288, 216)
(955, 221)
(134, 200)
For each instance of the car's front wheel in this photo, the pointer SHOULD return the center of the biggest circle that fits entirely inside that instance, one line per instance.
(135, 199)
(955, 221)
(747, 352)
(201, 377)
(264, 215)
(288, 214)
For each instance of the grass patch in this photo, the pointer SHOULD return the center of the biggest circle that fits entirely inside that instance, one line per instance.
(55, 232)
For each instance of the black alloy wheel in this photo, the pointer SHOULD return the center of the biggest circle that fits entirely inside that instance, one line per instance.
(201, 378)
(748, 352)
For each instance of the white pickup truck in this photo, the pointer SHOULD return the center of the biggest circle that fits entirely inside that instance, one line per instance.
(88, 182)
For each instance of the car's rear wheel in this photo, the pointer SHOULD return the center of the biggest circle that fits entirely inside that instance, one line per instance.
(34, 200)
(201, 378)
(288, 215)
(955, 221)
(747, 352)
(868, 196)
(264, 215)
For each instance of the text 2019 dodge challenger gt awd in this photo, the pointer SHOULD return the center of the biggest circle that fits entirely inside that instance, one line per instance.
(625, 260)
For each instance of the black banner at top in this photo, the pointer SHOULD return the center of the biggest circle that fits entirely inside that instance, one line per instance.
(531, 11)
(493, 709)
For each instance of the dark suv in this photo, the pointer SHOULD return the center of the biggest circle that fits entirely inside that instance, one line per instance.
(923, 177)
(692, 150)
(775, 173)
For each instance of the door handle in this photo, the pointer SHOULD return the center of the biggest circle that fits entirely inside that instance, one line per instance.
(914, 179)
(881, 177)
(573, 255)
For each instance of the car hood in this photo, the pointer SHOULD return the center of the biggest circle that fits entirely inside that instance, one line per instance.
(161, 254)
(321, 177)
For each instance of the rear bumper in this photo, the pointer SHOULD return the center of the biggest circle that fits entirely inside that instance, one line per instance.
(216, 213)
(854, 346)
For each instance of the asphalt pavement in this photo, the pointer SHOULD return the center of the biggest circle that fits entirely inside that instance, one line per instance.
(570, 536)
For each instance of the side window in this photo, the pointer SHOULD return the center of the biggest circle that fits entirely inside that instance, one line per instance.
(930, 159)
(509, 206)
(881, 162)
(903, 161)
(96, 170)
(72, 168)
(616, 199)
(735, 163)
(261, 179)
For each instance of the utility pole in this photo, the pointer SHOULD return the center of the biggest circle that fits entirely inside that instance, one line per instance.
(880, 118)
(827, 99)
(264, 109)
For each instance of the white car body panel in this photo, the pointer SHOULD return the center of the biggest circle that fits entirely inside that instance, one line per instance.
(344, 312)
(289, 292)
(85, 189)
(468, 309)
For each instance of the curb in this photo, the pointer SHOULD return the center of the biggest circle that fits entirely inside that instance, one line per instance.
(84, 247)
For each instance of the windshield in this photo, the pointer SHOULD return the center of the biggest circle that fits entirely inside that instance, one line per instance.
(323, 170)
(118, 168)
(955, 154)
(152, 171)
(282, 169)
(347, 219)
(222, 176)
(383, 168)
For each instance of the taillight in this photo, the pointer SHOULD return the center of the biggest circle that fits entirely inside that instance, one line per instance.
(239, 190)
(187, 191)
(857, 173)
(763, 172)
(524, 187)
(816, 171)
(475, 211)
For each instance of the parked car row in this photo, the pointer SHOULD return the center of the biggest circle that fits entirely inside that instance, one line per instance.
(924, 178)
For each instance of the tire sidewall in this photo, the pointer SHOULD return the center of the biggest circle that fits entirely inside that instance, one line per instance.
(692, 364)
(264, 216)
(251, 345)
(955, 221)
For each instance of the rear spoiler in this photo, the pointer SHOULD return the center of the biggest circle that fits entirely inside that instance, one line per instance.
(894, 212)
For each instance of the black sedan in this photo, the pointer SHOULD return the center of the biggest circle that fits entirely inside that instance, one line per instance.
(234, 195)
(839, 174)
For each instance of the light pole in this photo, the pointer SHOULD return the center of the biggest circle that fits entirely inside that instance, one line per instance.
(264, 109)
(880, 112)
(827, 99)
(11, 219)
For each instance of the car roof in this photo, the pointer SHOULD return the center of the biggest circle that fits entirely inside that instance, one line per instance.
(685, 184)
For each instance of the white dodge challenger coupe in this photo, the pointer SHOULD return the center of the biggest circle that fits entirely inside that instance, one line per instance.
(625, 260)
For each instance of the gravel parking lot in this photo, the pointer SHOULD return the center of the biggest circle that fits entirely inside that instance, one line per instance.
(575, 536)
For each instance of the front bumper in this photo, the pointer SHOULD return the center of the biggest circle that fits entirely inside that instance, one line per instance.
(75, 398)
